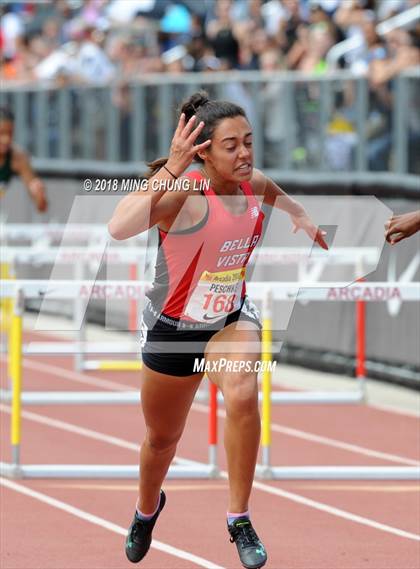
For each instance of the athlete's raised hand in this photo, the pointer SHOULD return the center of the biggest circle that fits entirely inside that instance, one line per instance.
(183, 147)
(304, 222)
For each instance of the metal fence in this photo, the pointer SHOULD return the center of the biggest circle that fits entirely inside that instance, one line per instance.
(303, 125)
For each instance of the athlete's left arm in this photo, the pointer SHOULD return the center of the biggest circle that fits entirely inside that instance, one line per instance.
(34, 185)
(274, 196)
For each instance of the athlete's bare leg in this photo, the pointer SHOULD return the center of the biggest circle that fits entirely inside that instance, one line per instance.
(165, 401)
(240, 391)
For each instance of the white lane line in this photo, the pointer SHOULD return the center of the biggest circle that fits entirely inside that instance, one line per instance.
(338, 512)
(325, 440)
(105, 524)
(259, 485)
(111, 385)
(389, 409)
(75, 429)
(334, 511)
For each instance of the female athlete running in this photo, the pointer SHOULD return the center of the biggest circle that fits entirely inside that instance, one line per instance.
(15, 162)
(198, 306)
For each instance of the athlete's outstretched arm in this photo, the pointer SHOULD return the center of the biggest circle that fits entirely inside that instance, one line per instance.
(141, 210)
(274, 196)
(400, 227)
(33, 184)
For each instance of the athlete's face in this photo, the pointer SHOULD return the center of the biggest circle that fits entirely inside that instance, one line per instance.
(230, 152)
(6, 136)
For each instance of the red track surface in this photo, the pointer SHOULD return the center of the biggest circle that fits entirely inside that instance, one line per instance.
(37, 535)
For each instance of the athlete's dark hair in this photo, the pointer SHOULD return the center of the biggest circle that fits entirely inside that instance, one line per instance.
(210, 112)
(6, 114)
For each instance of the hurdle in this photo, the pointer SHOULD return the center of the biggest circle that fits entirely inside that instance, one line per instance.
(79, 233)
(78, 258)
(265, 470)
(6, 309)
(378, 291)
(126, 289)
(133, 314)
(360, 257)
(15, 469)
(6, 305)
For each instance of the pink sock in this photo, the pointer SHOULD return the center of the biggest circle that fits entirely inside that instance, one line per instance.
(231, 517)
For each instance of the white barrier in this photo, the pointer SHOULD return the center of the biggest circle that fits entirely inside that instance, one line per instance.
(316, 291)
(74, 231)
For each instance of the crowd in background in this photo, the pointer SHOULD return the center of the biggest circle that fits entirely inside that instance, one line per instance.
(102, 40)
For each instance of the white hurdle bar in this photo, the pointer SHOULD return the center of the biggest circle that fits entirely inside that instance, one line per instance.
(73, 231)
(89, 471)
(338, 472)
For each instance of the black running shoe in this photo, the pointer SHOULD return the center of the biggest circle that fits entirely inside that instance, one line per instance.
(139, 535)
(251, 551)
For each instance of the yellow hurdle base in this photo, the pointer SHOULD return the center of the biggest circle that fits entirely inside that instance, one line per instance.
(113, 365)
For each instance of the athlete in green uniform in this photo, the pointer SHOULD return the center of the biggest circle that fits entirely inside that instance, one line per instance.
(15, 162)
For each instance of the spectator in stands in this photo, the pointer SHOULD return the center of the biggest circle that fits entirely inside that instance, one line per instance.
(51, 35)
(175, 59)
(403, 53)
(175, 26)
(272, 13)
(373, 47)
(123, 12)
(291, 21)
(92, 12)
(12, 29)
(275, 110)
(319, 41)
(250, 47)
(92, 63)
(385, 10)
(222, 34)
(319, 14)
(350, 17)
(134, 51)
(199, 49)
(84, 59)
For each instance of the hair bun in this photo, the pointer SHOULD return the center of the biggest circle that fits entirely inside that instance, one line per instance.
(191, 106)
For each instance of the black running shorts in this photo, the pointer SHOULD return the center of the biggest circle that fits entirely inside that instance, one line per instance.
(171, 346)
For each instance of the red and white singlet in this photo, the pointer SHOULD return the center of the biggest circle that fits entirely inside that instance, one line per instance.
(200, 272)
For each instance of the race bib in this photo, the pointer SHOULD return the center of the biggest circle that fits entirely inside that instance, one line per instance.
(216, 295)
